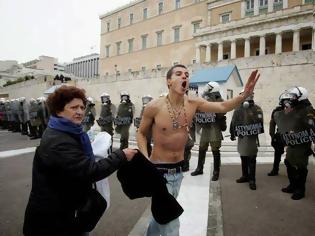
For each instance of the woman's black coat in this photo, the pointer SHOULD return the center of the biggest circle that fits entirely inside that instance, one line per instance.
(62, 176)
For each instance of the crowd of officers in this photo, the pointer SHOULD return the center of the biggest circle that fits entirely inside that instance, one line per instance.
(291, 129)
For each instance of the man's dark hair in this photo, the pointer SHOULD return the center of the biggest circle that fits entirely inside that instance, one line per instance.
(63, 95)
(170, 71)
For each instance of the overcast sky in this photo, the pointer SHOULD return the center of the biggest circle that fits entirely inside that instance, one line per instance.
(64, 29)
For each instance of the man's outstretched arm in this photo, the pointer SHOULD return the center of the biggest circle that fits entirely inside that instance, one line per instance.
(228, 105)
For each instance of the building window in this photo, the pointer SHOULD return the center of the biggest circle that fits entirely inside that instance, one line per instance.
(229, 94)
(145, 13)
(160, 8)
(263, 3)
(225, 18)
(119, 23)
(196, 26)
(277, 5)
(118, 45)
(131, 18)
(226, 56)
(177, 4)
(108, 26)
(144, 41)
(107, 51)
(306, 46)
(130, 45)
(250, 4)
(159, 38)
(176, 34)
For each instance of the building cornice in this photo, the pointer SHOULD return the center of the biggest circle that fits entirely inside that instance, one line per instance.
(131, 4)
(248, 22)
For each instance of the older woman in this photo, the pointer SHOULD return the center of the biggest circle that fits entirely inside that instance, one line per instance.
(64, 168)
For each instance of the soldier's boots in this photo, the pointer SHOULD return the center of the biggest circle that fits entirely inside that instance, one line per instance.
(201, 162)
(292, 173)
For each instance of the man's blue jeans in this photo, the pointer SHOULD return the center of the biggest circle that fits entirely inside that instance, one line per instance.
(172, 228)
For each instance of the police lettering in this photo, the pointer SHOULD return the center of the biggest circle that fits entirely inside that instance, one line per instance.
(301, 137)
(205, 117)
(248, 130)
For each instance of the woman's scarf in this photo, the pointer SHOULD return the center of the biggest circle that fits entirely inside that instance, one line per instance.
(64, 125)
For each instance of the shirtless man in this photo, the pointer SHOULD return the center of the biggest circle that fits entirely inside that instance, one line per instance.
(169, 118)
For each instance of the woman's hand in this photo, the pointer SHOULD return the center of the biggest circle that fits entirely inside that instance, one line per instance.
(130, 153)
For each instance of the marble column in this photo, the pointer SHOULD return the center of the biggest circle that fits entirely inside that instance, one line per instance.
(247, 48)
(262, 45)
(220, 51)
(313, 39)
(233, 49)
(285, 4)
(296, 40)
(278, 43)
(197, 54)
(270, 5)
(208, 53)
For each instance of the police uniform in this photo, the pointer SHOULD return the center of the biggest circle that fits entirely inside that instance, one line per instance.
(123, 121)
(212, 125)
(89, 116)
(297, 132)
(276, 142)
(105, 120)
(34, 119)
(246, 124)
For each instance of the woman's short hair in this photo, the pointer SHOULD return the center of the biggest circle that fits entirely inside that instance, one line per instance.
(63, 95)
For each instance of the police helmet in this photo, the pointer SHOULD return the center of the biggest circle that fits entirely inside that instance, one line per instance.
(90, 99)
(212, 87)
(146, 99)
(301, 93)
(124, 96)
(105, 97)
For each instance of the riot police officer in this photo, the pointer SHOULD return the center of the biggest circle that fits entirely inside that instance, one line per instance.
(246, 124)
(145, 100)
(43, 114)
(24, 115)
(34, 119)
(106, 118)
(2, 112)
(124, 118)
(89, 114)
(296, 124)
(212, 125)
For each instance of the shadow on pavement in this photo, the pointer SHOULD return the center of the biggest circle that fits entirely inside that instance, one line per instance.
(266, 211)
